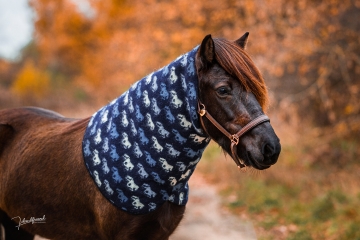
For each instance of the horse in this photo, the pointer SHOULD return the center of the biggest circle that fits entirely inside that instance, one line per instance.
(52, 168)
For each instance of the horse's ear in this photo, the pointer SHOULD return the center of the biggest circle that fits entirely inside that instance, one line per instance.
(207, 51)
(243, 40)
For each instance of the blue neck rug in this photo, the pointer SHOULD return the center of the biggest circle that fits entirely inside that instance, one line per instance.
(142, 148)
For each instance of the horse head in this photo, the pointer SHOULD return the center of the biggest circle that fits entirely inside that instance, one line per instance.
(233, 93)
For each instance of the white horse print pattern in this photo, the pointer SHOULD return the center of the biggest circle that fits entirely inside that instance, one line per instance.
(142, 148)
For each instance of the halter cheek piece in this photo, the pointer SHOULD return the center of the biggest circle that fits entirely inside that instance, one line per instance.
(234, 138)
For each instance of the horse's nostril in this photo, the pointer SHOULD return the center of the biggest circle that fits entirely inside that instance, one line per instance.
(271, 152)
(268, 150)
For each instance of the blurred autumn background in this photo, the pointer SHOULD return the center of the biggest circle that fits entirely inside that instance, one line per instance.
(85, 53)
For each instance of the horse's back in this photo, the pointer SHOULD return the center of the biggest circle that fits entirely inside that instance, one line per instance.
(18, 120)
(26, 116)
(27, 122)
(29, 132)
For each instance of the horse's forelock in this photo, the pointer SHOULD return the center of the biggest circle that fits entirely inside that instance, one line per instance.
(234, 60)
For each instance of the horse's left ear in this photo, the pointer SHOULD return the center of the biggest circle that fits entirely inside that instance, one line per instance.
(243, 40)
(207, 52)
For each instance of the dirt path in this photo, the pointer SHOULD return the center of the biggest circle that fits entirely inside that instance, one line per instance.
(205, 219)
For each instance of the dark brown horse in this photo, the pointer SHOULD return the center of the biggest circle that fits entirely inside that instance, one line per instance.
(42, 171)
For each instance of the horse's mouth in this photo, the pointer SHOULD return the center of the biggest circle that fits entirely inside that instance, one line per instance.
(253, 163)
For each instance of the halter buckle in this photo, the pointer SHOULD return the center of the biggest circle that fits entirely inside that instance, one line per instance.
(202, 110)
(234, 139)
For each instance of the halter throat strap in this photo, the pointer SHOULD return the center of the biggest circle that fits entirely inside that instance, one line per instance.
(234, 138)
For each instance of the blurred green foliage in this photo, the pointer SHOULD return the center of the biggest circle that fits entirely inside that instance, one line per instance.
(291, 202)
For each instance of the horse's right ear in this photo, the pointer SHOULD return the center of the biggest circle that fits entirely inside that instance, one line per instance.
(243, 40)
(207, 52)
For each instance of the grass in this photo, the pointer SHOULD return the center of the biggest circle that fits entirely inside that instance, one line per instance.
(301, 197)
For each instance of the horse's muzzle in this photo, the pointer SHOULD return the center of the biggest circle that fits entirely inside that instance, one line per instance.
(270, 152)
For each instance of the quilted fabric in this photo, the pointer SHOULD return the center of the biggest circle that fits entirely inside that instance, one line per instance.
(142, 148)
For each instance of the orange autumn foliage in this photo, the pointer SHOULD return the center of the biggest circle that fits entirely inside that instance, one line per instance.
(31, 82)
(307, 50)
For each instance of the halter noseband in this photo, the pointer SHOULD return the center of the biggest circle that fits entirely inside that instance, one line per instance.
(234, 138)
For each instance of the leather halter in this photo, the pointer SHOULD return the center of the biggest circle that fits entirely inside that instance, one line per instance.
(234, 138)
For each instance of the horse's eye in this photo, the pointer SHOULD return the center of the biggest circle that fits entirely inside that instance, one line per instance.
(222, 91)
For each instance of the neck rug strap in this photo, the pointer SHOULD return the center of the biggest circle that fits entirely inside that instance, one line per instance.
(142, 148)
